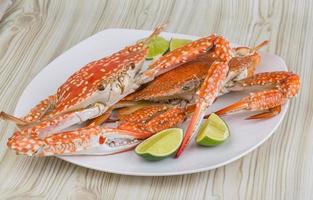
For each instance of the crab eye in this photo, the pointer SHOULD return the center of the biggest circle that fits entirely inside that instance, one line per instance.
(209, 48)
(186, 87)
(132, 65)
(100, 87)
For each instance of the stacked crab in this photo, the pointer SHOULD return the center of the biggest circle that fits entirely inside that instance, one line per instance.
(182, 83)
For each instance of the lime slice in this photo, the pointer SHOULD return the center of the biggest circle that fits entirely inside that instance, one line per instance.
(160, 145)
(176, 43)
(157, 47)
(213, 131)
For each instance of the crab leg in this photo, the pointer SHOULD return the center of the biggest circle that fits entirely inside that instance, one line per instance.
(16, 120)
(44, 138)
(152, 119)
(107, 141)
(285, 85)
(101, 119)
(209, 89)
(92, 140)
(180, 56)
(206, 96)
(30, 140)
(40, 110)
(265, 115)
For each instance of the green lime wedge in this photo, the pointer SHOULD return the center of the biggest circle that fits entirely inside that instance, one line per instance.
(213, 131)
(157, 47)
(160, 145)
(176, 43)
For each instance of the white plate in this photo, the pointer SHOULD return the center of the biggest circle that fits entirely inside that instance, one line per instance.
(245, 135)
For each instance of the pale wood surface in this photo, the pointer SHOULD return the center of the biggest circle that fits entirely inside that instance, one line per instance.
(33, 33)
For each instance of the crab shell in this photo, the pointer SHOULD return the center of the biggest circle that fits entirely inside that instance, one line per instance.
(182, 82)
(105, 80)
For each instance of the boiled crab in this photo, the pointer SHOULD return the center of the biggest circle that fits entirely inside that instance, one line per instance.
(95, 88)
(166, 101)
(87, 94)
(179, 92)
(188, 77)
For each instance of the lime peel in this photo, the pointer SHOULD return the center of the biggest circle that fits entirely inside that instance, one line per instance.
(160, 145)
(177, 43)
(213, 131)
(157, 47)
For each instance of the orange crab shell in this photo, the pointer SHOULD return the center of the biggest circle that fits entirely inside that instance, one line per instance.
(245, 60)
(96, 74)
(188, 77)
(173, 83)
(152, 119)
(190, 52)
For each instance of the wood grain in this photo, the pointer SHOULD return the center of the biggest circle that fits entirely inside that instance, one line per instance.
(33, 33)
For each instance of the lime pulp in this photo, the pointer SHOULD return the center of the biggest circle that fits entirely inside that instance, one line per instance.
(213, 131)
(177, 43)
(160, 145)
(157, 47)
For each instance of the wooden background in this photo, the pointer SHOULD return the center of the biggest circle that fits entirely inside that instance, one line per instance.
(33, 33)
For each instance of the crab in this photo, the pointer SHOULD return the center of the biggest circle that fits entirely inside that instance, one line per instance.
(151, 118)
(97, 87)
(189, 76)
(172, 99)
(86, 94)
(89, 93)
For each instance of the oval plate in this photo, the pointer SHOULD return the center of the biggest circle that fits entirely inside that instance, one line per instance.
(246, 135)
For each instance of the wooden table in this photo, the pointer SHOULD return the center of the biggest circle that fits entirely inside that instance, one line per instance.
(33, 33)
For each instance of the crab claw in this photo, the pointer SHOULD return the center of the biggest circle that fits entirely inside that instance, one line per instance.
(237, 106)
(87, 141)
(266, 115)
(18, 121)
(257, 102)
(46, 138)
(193, 126)
(286, 85)
(110, 141)
(206, 96)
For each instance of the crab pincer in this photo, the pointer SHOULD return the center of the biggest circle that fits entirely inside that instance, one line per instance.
(86, 94)
(283, 86)
(210, 88)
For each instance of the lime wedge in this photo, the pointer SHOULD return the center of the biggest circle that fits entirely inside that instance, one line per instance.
(213, 131)
(157, 47)
(160, 145)
(176, 43)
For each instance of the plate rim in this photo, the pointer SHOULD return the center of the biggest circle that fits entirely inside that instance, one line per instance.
(147, 174)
